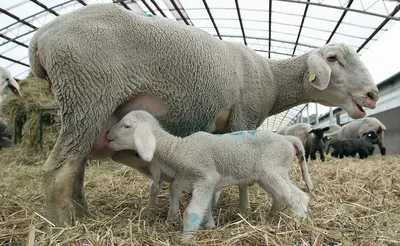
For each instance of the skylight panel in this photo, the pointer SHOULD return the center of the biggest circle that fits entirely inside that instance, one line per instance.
(254, 15)
(227, 23)
(25, 10)
(254, 4)
(311, 41)
(319, 34)
(255, 24)
(287, 7)
(256, 33)
(230, 31)
(320, 24)
(354, 42)
(210, 30)
(288, 29)
(324, 12)
(202, 23)
(221, 4)
(286, 19)
(291, 38)
(191, 4)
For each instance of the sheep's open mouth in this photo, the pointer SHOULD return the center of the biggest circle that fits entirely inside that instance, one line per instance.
(360, 108)
(13, 89)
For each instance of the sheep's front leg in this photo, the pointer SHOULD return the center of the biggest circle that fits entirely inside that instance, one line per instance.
(197, 208)
(78, 194)
(321, 154)
(244, 197)
(215, 198)
(63, 183)
(381, 147)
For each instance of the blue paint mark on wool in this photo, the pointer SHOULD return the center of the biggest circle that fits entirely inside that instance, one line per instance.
(148, 15)
(239, 133)
(195, 219)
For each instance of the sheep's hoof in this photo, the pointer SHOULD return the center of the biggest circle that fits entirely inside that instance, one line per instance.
(187, 236)
(172, 215)
(383, 151)
(209, 225)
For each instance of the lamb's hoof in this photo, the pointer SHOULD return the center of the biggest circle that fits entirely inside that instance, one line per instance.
(383, 151)
(186, 237)
(172, 215)
(209, 225)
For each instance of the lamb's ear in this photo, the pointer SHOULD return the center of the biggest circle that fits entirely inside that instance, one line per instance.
(145, 142)
(312, 131)
(319, 71)
(326, 129)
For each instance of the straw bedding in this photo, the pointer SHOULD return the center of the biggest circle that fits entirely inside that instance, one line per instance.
(356, 203)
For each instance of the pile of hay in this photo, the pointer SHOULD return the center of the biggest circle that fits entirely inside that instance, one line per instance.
(357, 202)
(36, 94)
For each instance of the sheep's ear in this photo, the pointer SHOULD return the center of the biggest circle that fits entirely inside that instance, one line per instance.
(326, 129)
(145, 142)
(319, 71)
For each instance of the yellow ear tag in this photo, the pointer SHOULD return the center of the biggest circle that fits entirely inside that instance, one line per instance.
(312, 77)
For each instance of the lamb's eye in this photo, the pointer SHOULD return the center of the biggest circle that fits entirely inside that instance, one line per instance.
(127, 126)
(332, 58)
(7, 79)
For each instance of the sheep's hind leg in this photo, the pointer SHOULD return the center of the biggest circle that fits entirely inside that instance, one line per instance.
(274, 184)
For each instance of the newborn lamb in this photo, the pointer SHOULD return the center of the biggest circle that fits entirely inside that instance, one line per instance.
(209, 163)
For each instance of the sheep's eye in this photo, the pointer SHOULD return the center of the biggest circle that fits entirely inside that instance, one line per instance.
(7, 79)
(332, 58)
(127, 126)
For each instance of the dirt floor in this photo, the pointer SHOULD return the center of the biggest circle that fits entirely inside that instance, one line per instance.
(357, 202)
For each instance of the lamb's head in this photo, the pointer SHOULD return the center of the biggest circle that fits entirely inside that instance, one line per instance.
(319, 132)
(371, 136)
(134, 132)
(342, 79)
(6, 80)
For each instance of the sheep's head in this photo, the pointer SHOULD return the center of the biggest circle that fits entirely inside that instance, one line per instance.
(6, 80)
(371, 136)
(134, 132)
(342, 79)
(319, 132)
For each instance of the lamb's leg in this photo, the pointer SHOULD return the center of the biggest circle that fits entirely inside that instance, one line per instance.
(175, 191)
(307, 155)
(274, 184)
(154, 190)
(298, 201)
(197, 208)
(381, 147)
(321, 154)
(313, 155)
(209, 220)
(215, 198)
(244, 197)
(240, 120)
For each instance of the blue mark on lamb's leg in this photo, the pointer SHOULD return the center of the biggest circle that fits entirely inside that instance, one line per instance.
(195, 220)
(252, 132)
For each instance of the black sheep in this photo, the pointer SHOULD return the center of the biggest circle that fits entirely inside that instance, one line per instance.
(315, 143)
(363, 146)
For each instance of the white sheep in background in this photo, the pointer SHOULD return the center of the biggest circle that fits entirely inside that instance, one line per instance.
(6, 80)
(103, 61)
(208, 163)
(300, 130)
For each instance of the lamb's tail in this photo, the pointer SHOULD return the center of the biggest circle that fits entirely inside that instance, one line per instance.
(36, 60)
(300, 153)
